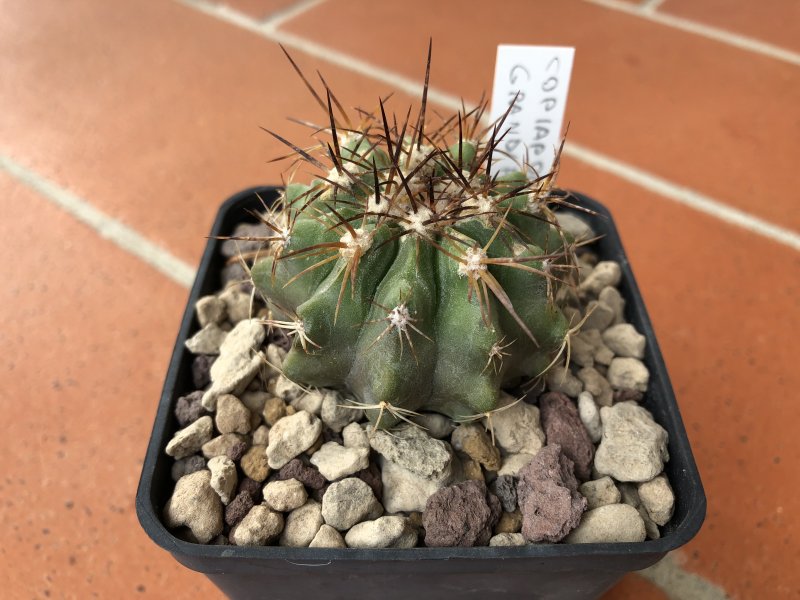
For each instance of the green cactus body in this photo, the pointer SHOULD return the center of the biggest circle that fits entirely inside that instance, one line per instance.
(431, 297)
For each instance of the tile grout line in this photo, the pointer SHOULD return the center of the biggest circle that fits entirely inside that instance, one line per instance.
(632, 174)
(106, 226)
(677, 583)
(292, 11)
(649, 6)
(707, 31)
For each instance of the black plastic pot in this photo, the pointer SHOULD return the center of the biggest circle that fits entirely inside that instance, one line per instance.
(535, 571)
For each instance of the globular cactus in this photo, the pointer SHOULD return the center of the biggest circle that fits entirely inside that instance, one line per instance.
(409, 273)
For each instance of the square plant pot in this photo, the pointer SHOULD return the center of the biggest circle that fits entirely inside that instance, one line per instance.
(551, 571)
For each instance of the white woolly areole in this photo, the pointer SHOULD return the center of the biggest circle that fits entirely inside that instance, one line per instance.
(399, 317)
(374, 207)
(481, 204)
(416, 220)
(340, 179)
(473, 264)
(359, 243)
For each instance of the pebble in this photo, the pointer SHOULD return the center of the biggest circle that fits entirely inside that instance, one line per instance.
(605, 273)
(261, 435)
(578, 228)
(237, 364)
(334, 461)
(231, 248)
(625, 341)
(470, 467)
(510, 522)
(302, 525)
(385, 532)
(288, 391)
(548, 497)
(254, 463)
(581, 352)
(461, 515)
(611, 297)
(507, 539)
(335, 413)
(609, 523)
(308, 476)
(627, 396)
(517, 429)
(372, 477)
(354, 436)
(597, 385)
(274, 410)
(348, 502)
(207, 341)
(238, 508)
(630, 496)
(291, 436)
(196, 505)
(188, 408)
(259, 527)
(254, 401)
(285, 495)
(201, 371)
(563, 426)
(237, 303)
(275, 357)
(405, 491)
(599, 316)
(473, 440)
(505, 488)
(411, 448)
(190, 439)
(189, 464)
(514, 463)
(633, 447)
(628, 374)
(602, 353)
(227, 444)
(327, 537)
(658, 499)
(600, 492)
(435, 425)
(223, 477)
(232, 415)
(560, 379)
(590, 416)
(210, 309)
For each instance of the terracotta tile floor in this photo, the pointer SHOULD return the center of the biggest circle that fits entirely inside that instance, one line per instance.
(149, 112)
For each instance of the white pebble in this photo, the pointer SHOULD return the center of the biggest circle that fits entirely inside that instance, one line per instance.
(628, 374)
(625, 341)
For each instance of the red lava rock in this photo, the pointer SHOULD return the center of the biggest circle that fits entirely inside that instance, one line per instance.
(236, 451)
(251, 487)
(305, 474)
(461, 515)
(626, 395)
(505, 488)
(188, 409)
(238, 508)
(563, 426)
(372, 477)
(548, 496)
(201, 370)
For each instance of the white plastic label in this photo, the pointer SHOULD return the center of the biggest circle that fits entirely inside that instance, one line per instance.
(540, 75)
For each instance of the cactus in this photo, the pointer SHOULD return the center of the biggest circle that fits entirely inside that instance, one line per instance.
(411, 274)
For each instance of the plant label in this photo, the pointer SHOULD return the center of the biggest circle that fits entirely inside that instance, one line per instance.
(531, 81)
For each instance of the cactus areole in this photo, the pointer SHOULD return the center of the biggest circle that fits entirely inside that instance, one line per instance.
(408, 272)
